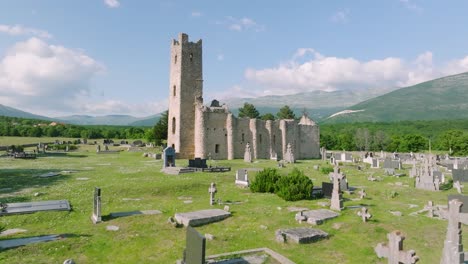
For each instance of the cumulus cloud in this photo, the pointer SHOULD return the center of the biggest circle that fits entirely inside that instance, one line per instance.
(242, 24)
(341, 16)
(112, 3)
(35, 73)
(308, 70)
(18, 30)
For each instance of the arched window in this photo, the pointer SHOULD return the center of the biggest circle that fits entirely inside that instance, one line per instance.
(173, 125)
(174, 90)
(243, 137)
(191, 56)
(260, 138)
(175, 59)
(274, 139)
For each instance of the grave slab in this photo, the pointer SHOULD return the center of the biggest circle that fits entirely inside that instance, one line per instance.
(130, 213)
(31, 207)
(317, 217)
(12, 243)
(301, 235)
(12, 231)
(201, 217)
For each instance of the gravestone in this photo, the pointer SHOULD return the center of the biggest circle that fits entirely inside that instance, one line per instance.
(362, 194)
(315, 217)
(247, 153)
(212, 190)
(458, 186)
(394, 250)
(300, 235)
(201, 217)
(96, 217)
(460, 175)
(461, 198)
(364, 214)
(198, 163)
(242, 178)
(338, 174)
(195, 247)
(453, 247)
(337, 198)
(375, 163)
(289, 154)
(323, 153)
(169, 157)
(327, 189)
(31, 207)
(98, 148)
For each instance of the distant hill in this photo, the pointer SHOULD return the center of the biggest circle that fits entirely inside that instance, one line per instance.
(13, 112)
(318, 104)
(443, 98)
(147, 121)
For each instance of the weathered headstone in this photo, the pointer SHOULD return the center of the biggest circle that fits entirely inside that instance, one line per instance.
(362, 194)
(364, 214)
(212, 190)
(327, 189)
(300, 235)
(96, 217)
(337, 199)
(453, 247)
(242, 178)
(98, 148)
(394, 250)
(169, 157)
(247, 153)
(195, 247)
(458, 186)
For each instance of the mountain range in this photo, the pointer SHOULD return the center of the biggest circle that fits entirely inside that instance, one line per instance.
(443, 98)
(439, 99)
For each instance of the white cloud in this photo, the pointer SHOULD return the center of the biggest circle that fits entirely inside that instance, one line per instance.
(220, 57)
(119, 107)
(324, 73)
(196, 14)
(410, 5)
(18, 30)
(112, 3)
(242, 24)
(341, 16)
(35, 74)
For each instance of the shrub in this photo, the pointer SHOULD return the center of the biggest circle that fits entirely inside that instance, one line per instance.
(265, 181)
(295, 186)
(326, 170)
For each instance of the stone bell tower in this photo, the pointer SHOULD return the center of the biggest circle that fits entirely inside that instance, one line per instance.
(185, 86)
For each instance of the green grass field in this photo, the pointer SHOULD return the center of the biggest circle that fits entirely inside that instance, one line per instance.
(150, 239)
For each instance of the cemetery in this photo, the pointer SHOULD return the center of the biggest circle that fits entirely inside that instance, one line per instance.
(115, 208)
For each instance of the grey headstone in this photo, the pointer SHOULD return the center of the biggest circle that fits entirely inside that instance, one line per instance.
(194, 252)
(300, 235)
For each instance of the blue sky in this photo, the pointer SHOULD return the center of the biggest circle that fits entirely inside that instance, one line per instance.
(100, 57)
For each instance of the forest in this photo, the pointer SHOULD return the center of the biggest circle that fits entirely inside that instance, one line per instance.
(406, 136)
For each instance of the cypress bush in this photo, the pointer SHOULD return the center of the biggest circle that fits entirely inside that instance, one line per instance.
(265, 181)
(296, 186)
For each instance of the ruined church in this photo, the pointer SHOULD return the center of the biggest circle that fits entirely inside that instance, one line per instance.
(197, 130)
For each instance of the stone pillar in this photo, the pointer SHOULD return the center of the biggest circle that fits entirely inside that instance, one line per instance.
(230, 136)
(200, 137)
(253, 130)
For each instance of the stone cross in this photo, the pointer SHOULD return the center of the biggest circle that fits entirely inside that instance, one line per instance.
(364, 214)
(394, 250)
(212, 190)
(458, 186)
(453, 247)
(96, 217)
(362, 194)
(337, 198)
